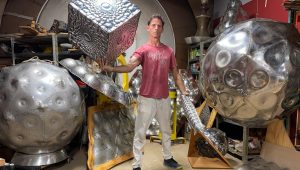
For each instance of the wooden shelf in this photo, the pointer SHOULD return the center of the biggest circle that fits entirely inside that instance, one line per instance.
(201, 50)
(44, 46)
(292, 5)
(194, 60)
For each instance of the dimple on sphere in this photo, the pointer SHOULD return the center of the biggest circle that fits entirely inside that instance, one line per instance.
(41, 108)
(250, 74)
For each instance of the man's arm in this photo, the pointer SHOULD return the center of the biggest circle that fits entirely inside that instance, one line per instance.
(133, 62)
(178, 81)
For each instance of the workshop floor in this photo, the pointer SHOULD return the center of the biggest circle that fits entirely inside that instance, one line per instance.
(152, 159)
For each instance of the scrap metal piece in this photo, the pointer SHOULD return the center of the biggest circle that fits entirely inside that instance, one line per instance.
(217, 137)
(193, 89)
(112, 133)
(191, 114)
(97, 81)
(103, 29)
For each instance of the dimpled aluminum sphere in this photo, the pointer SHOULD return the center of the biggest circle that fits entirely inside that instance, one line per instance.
(250, 74)
(40, 107)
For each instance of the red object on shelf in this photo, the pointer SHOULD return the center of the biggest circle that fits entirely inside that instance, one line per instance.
(297, 21)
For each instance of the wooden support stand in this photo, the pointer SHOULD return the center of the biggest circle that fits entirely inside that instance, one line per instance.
(278, 147)
(198, 161)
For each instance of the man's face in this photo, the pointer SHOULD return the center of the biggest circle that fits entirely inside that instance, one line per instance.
(155, 28)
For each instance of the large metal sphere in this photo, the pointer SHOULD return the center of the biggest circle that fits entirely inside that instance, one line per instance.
(250, 74)
(40, 107)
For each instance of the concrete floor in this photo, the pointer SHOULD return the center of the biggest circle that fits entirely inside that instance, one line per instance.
(152, 159)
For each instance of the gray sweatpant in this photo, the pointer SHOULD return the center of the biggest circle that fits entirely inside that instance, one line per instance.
(148, 108)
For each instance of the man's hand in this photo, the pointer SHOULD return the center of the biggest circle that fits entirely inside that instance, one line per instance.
(103, 65)
(107, 68)
(186, 93)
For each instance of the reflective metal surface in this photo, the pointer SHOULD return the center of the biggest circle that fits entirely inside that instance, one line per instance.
(135, 83)
(113, 133)
(39, 159)
(99, 82)
(233, 14)
(191, 114)
(250, 74)
(217, 137)
(204, 149)
(103, 29)
(192, 88)
(41, 108)
(58, 9)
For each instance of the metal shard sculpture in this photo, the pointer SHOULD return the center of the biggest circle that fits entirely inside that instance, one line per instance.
(234, 14)
(250, 74)
(192, 87)
(218, 138)
(41, 110)
(103, 29)
(191, 114)
(205, 149)
(99, 82)
(185, 106)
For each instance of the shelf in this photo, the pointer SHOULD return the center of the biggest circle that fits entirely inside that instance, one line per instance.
(39, 39)
(61, 54)
(25, 47)
(194, 60)
(195, 72)
(240, 124)
(245, 155)
(197, 51)
(240, 154)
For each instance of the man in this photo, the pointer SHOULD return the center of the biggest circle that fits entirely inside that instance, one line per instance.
(157, 60)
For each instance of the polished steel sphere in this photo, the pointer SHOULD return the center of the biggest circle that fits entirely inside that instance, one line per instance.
(41, 108)
(250, 74)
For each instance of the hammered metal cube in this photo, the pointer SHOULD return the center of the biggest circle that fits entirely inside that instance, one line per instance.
(103, 29)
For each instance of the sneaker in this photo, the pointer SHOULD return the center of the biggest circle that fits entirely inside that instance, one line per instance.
(171, 163)
(138, 168)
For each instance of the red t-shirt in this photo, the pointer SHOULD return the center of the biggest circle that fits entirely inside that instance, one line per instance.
(156, 61)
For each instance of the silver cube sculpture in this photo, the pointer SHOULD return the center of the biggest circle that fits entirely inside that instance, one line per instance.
(103, 29)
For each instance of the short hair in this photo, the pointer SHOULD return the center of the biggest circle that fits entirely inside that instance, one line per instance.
(157, 16)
